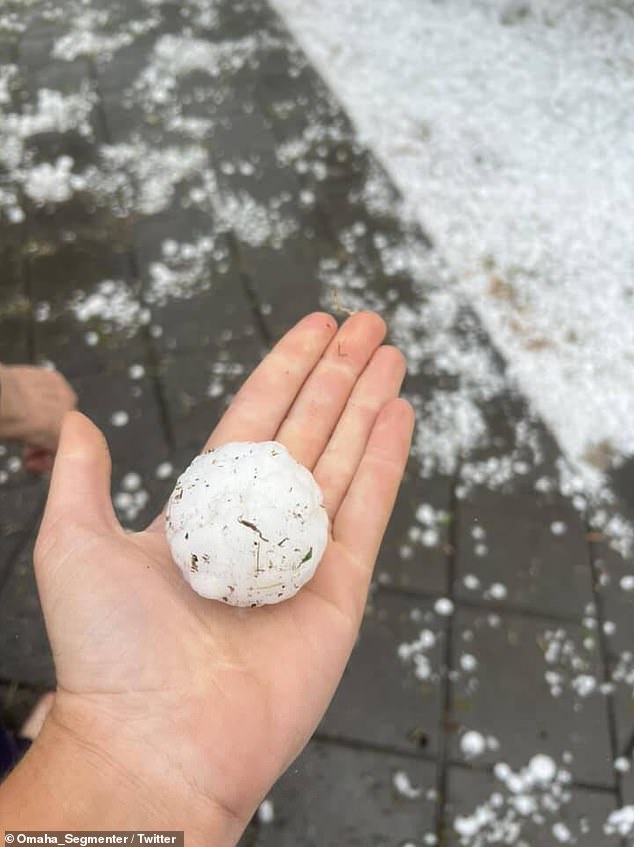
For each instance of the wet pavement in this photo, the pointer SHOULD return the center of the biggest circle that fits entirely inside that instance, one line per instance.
(215, 193)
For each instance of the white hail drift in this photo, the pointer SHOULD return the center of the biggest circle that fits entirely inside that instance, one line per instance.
(246, 524)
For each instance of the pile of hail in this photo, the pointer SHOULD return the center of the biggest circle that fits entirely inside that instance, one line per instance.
(246, 524)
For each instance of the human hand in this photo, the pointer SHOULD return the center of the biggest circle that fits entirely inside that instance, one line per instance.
(33, 402)
(197, 706)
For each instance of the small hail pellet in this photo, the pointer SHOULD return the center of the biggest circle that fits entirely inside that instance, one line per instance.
(246, 524)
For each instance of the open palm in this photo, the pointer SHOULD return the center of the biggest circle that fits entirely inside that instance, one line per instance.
(223, 699)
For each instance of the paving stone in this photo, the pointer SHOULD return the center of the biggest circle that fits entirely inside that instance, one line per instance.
(20, 501)
(15, 310)
(281, 269)
(20, 505)
(25, 655)
(505, 693)
(198, 386)
(203, 323)
(16, 704)
(208, 303)
(356, 787)
(533, 545)
(283, 282)
(39, 69)
(518, 453)
(40, 28)
(414, 554)
(116, 76)
(240, 19)
(12, 471)
(127, 412)
(72, 274)
(249, 836)
(8, 48)
(626, 783)
(622, 482)
(582, 816)
(9, 545)
(382, 699)
(290, 92)
(243, 136)
(615, 589)
(244, 150)
(175, 223)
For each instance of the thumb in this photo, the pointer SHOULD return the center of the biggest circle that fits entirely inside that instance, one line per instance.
(79, 494)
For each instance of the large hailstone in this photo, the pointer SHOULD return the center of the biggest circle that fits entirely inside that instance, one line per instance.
(246, 524)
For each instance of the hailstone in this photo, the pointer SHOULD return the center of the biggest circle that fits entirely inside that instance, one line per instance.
(246, 524)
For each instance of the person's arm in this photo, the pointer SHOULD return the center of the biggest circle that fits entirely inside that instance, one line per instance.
(65, 783)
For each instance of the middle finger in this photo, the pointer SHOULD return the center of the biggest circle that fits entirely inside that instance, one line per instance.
(315, 412)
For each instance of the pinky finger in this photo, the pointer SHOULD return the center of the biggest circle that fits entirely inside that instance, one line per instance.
(360, 523)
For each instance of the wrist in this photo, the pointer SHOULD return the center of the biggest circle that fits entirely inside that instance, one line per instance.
(94, 774)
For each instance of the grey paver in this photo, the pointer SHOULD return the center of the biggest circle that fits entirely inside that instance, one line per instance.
(115, 77)
(38, 69)
(197, 386)
(415, 551)
(24, 649)
(136, 508)
(69, 275)
(8, 47)
(174, 223)
(356, 788)
(533, 545)
(139, 444)
(283, 281)
(200, 323)
(198, 316)
(381, 699)
(579, 820)
(20, 505)
(16, 703)
(508, 696)
(615, 587)
(622, 482)
(15, 309)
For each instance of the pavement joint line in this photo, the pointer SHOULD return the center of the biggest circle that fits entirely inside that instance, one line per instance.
(442, 767)
(153, 360)
(372, 747)
(25, 273)
(250, 291)
(475, 605)
(158, 391)
(604, 658)
(423, 756)
(24, 539)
